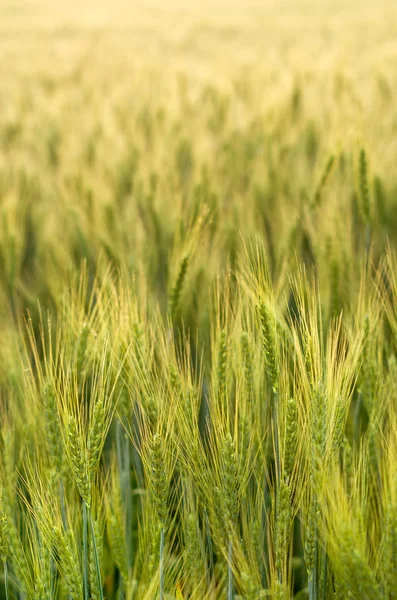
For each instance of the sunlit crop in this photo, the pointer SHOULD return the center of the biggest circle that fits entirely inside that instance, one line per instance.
(198, 301)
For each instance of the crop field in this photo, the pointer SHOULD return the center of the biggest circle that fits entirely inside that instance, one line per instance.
(198, 300)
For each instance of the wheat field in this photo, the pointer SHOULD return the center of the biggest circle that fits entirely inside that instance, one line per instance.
(198, 300)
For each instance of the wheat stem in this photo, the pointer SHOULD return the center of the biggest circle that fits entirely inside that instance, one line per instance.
(230, 571)
(325, 574)
(275, 433)
(127, 496)
(162, 541)
(208, 539)
(6, 579)
(85, 551)
(96, 557)
(62, 503)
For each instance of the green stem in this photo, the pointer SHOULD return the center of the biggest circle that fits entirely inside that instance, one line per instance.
(162, 540)
(277, 457)
(121, 589)
(230, 572)
(120, 462)
(210, 570)
(368, 237)
(85, 551)
(275, 433)
(119, 450)
(63, 512)
(315, 571)
(127, 496)
(97, 565)
(6, 579)
(325, 574)
(357, 412)
(265, 563)
(311, 587)
(62, 502)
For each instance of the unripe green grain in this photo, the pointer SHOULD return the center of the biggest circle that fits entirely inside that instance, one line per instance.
(291, 438)
(78, 461)
(193, 551)
(230, 490)
(248, 367)
(151, 407)
(319, 432)
(283, 523)
(245, 430)
(154, 555)
(4, 537)
(96, 436)
(93, 576)
(339, 425)
(364, 187)
(68, 564)
(221, 374)
(176, 291)
(323, 180)
(43, 581)
(117, 543)
(267, 323)
(311, 537)
(52, 426)
(82, 348)
(158, 478)
(176, 383)
(16, 549)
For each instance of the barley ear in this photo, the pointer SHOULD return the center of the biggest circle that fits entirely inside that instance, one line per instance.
(78, 461)
(68, 563)
(193, 550)
(291, 438)
(81, 348)
(283, 521)
(117, 543)
(319, 436)
(229, 482)
(323, 180)
(176, 291)
(248, 366)
(52, 426)
(158, 478)
(364, 187)
(268, 329)
(4, 538)
(96, 436)
(221, 370)
(311, 538)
